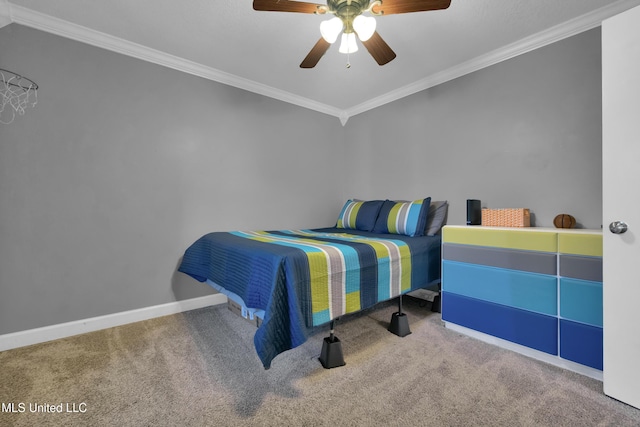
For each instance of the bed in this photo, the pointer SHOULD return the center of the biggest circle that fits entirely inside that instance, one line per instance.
(299, 280)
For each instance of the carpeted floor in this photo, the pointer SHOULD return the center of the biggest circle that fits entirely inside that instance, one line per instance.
(199, 368)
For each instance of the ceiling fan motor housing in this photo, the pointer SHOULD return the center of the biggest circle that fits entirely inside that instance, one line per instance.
(347, 10)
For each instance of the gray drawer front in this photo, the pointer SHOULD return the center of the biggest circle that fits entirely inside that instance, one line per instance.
(581, 267)
(534, 262)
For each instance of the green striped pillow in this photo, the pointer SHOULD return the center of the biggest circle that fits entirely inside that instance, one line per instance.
(407, 218)
(359, 215)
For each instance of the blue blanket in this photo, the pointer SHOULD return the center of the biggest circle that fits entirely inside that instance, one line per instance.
(305, 278)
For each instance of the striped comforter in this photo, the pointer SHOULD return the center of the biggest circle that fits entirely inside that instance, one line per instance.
(306, 278)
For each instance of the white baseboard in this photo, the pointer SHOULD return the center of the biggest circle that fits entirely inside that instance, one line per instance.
(529, 352)
(64, 330)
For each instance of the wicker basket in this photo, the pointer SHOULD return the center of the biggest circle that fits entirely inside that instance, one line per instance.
(516, 217)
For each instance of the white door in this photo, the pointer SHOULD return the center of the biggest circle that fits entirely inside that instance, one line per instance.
(621, 193)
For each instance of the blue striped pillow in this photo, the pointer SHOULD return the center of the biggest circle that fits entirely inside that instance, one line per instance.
(359, 215)
(407, 218)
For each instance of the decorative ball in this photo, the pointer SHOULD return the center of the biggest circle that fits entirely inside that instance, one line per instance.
(564, 221)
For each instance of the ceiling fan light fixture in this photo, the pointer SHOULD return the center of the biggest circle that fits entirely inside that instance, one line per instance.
(364, 26)
(350, 22)
(348, 43)
(331, 29)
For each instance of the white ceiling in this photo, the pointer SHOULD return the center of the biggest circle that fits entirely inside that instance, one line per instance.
(229, 42)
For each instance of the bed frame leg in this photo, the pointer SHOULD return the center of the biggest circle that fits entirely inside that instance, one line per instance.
(399, 322)
(331, 355)
(436, 305)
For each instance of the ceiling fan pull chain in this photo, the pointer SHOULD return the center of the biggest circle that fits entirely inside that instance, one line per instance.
(348, 47)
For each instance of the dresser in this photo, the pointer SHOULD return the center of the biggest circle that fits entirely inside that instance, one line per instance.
(537, 288)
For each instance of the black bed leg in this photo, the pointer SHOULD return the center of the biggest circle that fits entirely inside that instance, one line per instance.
(436, 305)
(399, 322)
(331, 355)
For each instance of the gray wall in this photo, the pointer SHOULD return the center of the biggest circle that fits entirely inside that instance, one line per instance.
(524, 133)
(124, 163)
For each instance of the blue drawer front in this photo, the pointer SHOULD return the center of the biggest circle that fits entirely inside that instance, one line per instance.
(519, 289)
(581, 343)
(581, 300)
(530, 329)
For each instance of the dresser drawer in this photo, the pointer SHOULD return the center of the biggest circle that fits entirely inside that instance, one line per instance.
(513, 288)
(522, 327)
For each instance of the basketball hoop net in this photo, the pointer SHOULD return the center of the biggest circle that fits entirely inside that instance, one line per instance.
(17, 93)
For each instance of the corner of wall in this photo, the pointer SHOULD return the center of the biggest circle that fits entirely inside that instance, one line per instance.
(5, 13)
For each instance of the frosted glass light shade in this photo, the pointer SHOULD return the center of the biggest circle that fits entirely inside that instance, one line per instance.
(330, 29)
(348, 43)
(365, 26)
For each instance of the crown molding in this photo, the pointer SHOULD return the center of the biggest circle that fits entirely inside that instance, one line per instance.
(43, 22)
(12, 13)
(567, 29)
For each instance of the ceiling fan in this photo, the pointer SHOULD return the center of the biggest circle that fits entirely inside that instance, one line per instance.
(350, 20)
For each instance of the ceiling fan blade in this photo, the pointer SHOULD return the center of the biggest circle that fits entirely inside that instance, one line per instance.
(391, 7)
(315, 54)
(379, 49)
(288, 6)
